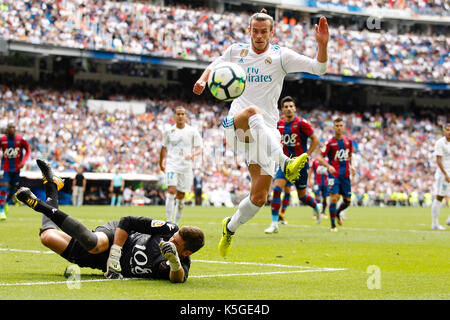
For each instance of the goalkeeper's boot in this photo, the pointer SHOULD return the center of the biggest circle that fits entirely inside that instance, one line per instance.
(2, 216)
(227, 237)
(273, 228)
(334, 229)
(47, 174)
(293, 166)
(27, 197)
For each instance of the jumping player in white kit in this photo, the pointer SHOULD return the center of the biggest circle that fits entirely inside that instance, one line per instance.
(180, 145)
(252, 120)
(442, 177)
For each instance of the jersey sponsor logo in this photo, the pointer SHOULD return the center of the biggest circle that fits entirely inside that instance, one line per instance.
(253, 75)
(158, 223)
(11, 152)
(342, 155)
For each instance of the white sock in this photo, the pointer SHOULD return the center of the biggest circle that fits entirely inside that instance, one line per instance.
(266, 141)
(245, 212)
(179, 206)
(435, 209)
(169, 206)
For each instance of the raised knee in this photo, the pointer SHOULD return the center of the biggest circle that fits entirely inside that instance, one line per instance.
(252, 110)
(46, 237)
(259, 199)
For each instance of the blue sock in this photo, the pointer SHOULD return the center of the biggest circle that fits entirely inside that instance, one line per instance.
(3, 195)
(276, 203)
(308, 200)
(333, 212)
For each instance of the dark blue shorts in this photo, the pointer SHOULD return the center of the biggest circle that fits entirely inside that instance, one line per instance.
(321, 191)
(300, 183)
(340, 185)
(13, 178)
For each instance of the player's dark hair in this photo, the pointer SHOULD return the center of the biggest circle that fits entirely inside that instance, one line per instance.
(262, 16)
(194, 238)
(338, 120)
(286, 99)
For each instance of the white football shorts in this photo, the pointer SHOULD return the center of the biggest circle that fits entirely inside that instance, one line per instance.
(182, 181)
(440, 186)
(254, 152)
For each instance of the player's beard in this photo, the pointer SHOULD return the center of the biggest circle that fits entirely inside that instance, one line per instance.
(257, 50)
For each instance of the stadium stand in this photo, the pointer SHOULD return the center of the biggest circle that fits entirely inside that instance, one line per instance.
(202, 34)
(61, 128)
(52, 110)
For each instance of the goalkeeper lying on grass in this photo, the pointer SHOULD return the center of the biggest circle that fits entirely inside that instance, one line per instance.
(134, 247)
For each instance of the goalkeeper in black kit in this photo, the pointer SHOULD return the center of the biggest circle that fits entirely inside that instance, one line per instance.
(134, 247)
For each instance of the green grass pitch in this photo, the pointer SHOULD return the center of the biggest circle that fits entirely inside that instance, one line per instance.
(379, 253)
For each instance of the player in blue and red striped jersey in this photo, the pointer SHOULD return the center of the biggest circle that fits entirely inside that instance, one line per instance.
(13, 159)
(295, 132)
(338, 150)
(318, 181)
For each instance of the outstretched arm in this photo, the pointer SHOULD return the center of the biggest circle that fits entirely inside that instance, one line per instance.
(200, 84)
(322, 37)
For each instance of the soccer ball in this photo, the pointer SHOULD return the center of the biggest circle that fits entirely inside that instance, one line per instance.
(227, 81)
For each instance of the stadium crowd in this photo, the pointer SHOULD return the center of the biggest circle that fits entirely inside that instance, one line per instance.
(202, 34)
(428, 7)
(393, 152)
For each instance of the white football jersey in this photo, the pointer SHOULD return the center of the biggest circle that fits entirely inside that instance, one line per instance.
(442, 148)
(179, 144)
(265, 75)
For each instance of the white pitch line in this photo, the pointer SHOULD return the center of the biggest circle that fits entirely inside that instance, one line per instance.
(264, 273)
(255, 264)
(26, 251)
(205, 261)
(194, 276)
(309, 269)
(62, 282)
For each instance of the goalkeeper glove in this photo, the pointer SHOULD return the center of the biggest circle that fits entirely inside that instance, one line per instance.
(113, 268)
(169, 251)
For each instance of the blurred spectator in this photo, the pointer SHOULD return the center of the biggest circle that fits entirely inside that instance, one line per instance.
(116, 188)
(78, 187)
(95, 195)
(155, 194)
(198, 187)
(127, 196)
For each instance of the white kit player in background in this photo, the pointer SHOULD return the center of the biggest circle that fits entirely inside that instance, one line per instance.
(442, 177)
(252, 119)
(181, 145)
